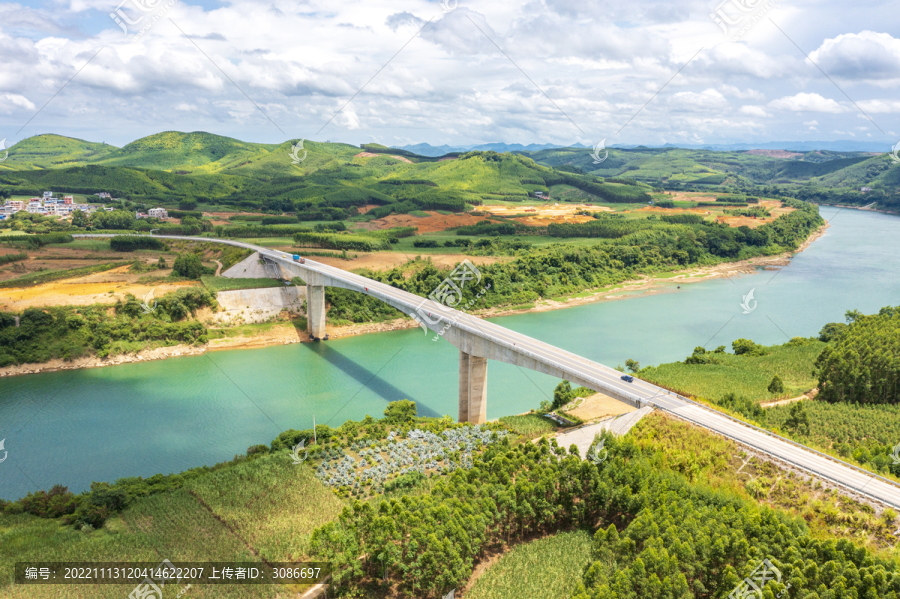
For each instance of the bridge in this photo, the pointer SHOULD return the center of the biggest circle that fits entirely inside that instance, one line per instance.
(479, 341)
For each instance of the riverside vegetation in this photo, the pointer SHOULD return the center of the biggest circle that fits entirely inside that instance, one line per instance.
(625, 250)
(668, 514)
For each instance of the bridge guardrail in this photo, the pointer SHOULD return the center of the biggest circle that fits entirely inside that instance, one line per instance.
(638, 400)
(786, 440)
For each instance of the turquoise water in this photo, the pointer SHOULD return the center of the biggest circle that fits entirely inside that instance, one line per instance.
(140, 419)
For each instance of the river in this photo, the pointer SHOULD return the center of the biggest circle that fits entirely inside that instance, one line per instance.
(74, 427)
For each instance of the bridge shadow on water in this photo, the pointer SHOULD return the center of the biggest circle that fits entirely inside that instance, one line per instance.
(366, 377)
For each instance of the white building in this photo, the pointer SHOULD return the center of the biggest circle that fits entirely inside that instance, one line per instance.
(158, 213)
(48, 194)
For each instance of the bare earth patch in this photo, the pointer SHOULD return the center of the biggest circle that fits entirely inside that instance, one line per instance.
(542, 215)
(85, 291)
(425, 224)
(600, 406)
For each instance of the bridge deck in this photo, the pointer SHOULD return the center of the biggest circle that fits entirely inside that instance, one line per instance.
(525, 351)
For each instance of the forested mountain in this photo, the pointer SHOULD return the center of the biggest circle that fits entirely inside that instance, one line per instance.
(173, 166)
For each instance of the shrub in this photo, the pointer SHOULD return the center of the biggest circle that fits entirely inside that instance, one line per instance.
(777, 385)
(400, 411)
(188, 266)
(8, 258)
(745, 347)
(129, 243)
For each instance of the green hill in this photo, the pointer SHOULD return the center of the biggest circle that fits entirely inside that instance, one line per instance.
(54, 151)
(197, 151)
(172, 166)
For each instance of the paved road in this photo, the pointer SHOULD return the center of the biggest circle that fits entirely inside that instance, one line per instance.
(602, 378)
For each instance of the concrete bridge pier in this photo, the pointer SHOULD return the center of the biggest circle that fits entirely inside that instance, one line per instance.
(315, 310)
(472, 388)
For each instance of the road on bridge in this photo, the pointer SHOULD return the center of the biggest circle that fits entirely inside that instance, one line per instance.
(599, 377)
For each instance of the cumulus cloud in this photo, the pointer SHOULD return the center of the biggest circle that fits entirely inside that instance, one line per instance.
(502, 71)
(805, 102)
(880, 106)
(754, 111)
(9, 102)
(866, 55)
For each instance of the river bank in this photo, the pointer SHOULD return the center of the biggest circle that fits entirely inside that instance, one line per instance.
(286, 333)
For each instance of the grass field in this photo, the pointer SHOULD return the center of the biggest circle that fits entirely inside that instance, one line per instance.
(549, 568)
(216, 284)
(265, 508)
(745, 376)
(278, 522)
(529, 425)
(53, 275)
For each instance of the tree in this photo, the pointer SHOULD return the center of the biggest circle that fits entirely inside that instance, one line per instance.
(401, 411)
(117, 219)
(832, 331)
(188, 266)
(852, 316)
(632, 365)
(798, 419)
(187, 204)
(562, 395)
(161, 263)
(776, 386)
(78, 218)
(745, 347)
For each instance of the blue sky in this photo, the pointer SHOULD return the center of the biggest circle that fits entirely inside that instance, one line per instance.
(555, 71)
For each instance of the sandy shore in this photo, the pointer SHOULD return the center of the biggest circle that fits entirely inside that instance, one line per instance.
(285, 333)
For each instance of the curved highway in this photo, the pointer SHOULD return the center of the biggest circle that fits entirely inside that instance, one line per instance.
(592, 374)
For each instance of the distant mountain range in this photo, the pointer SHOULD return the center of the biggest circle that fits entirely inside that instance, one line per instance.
(429, 150)
(425, 149)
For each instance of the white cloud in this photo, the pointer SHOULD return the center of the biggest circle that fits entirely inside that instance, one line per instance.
(708, 98)
(879, 106)
(8, 102)
(748, 94)
(754, 111)
(866, 55)
(804, 102)
(301, 61)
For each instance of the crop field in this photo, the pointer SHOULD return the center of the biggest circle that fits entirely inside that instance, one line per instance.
(168, 526)
(260, 509)
(745, 376)
(549, 568)
(276, 523)
(529, 425)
